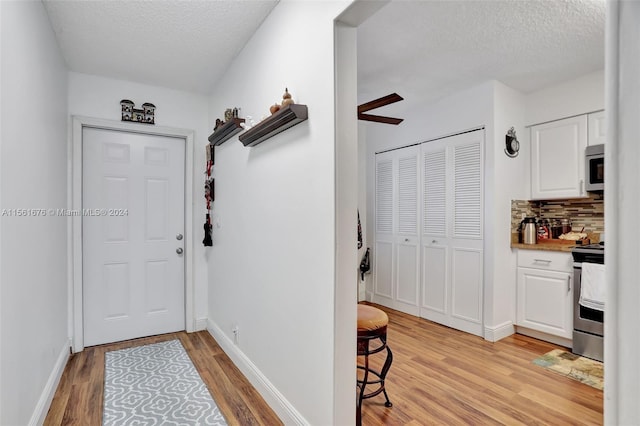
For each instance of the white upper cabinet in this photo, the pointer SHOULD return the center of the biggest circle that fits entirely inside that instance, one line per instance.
(557, 159)
(597, 128)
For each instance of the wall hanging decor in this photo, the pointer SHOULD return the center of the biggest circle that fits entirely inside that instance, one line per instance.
(512, 145)
(146, 114)
(208, 194)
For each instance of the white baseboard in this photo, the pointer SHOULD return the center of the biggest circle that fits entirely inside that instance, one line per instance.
(201, 324)
(44, 402)
(500, 331)
(278, 403)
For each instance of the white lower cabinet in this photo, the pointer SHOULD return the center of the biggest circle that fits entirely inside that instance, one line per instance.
(545, 292)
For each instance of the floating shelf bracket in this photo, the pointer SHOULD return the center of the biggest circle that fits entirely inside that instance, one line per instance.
(287, 117)
(224, 132)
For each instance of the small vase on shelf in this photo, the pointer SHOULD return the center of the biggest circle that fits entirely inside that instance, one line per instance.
(286, 98)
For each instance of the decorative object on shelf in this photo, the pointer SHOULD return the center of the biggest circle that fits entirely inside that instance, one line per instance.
(228, 114)
(287, 117)
(512, 144)
(274, 108)
(286, 98)
(218, 124)
(377, 103)
(249, 123)
(222, 133)
(144, 115)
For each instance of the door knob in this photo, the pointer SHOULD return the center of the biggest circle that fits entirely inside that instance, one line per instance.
(179, 237)
(179, 250)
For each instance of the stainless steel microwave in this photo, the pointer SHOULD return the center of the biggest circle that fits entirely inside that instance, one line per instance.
(594, 168)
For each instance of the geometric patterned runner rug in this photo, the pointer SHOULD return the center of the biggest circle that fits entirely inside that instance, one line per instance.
(582, 369)
(156, 384)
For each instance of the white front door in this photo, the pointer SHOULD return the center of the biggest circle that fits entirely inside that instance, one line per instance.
(132, 226)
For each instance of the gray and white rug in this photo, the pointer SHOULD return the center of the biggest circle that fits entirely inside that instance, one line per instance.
(156, 384)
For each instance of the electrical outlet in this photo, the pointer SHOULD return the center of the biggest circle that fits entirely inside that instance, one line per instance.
(236, 334)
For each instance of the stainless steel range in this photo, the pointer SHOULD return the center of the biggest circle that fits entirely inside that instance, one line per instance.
(588, 324)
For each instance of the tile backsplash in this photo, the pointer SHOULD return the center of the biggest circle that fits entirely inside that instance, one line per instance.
(587, 212)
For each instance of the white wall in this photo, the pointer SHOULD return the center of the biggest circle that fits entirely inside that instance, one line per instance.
(510, 179)
(573, 97)
(272, 268)
(34, 340)
(99, 97)
(622, 201)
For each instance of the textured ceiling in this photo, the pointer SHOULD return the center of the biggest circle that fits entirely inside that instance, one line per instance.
(427, 49)
(184, 45)
(422, 49)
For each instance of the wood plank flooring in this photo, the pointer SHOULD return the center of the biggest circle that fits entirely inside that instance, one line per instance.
(442, 376)
(78, 399)
(439, 376)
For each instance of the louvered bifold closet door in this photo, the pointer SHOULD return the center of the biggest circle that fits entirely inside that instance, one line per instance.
(397, 241)
(435, 242)
(467, 244)
(407, 240)
(383, 249)
(452, 182)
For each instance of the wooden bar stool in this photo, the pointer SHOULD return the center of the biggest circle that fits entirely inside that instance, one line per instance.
(372, 338)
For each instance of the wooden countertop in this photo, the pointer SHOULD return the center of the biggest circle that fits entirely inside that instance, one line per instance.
(550, 245)
(567, 247)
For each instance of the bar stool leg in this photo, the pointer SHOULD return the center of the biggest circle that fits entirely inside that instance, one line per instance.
(383, 375)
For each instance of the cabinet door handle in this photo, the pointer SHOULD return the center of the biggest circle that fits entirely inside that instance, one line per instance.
(568, 283)
(542, 261)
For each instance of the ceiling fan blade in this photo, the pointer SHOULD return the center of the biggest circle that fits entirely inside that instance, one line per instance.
(380, 102)
(380, 119)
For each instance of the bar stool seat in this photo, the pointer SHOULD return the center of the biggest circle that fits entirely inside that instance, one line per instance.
(372, 339)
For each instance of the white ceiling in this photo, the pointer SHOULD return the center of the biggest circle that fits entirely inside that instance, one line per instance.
(424, 50)
(421, 49)
(185, 45)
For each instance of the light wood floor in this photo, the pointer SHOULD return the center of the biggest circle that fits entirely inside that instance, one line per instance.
(439, 376)
(78, 399)
(442, 376)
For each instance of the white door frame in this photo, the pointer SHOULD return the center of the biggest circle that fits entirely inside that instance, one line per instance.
(74, 222)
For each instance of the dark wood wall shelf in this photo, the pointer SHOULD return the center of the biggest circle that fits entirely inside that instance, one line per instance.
(224, 132)
(287, 117)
